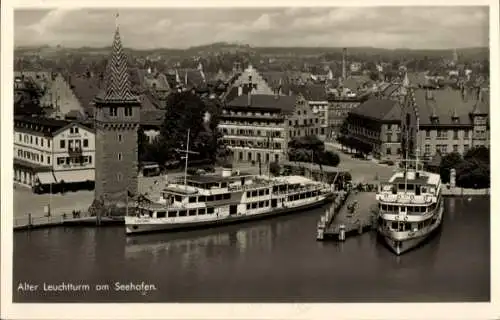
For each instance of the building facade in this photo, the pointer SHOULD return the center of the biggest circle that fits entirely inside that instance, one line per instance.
(49, 152)
(255, 127)
(449, 121)
(117, 117)
(311, 114)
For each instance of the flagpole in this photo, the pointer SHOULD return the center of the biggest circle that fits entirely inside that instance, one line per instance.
(126, 204)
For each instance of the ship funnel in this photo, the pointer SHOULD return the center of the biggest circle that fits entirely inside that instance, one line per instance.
(227, 172)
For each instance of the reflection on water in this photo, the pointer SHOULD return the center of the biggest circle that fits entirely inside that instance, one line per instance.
(273, 260)
(202, 244)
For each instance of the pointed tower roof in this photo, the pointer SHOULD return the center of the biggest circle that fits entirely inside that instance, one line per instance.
(117, 88)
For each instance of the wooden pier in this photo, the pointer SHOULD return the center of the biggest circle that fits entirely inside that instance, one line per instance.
(350, 214)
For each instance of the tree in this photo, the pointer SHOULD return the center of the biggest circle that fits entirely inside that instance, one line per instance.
(474, 170)
(188, 111)
(330, 158)
(448, 162)
(274, 168)
(480, 153)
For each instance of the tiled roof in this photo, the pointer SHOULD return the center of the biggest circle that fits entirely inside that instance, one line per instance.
(390, 90)
(85, 90)
(39, 124)
(447, 103)
(379, 109)
(233, 92)
(285, 104)
(310, 92)
(117, 86)
(152, 117)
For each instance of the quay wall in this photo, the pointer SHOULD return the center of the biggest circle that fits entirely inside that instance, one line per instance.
(456, 191)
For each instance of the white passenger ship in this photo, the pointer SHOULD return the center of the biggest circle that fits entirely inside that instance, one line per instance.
(213, 200)
(410, 208)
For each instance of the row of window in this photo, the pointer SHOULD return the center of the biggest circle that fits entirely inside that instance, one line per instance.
(28, 139)
(259, 204)
(443, 134)
(252, 133)
(74, 160)
(128, 111)
(74, 143)
(258, 158)
(305, 122)
(298, 133)
(408, 226)
(252, 144)
(217, 197)
(28, 155)
(409, 209)
(184, 213)
(261, 123)
(303, 195)
(257, 193)
(240, 113)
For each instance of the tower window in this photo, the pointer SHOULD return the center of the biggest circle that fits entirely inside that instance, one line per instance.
(120, 138)
(119, 176)
(128, 112)
(113, 111)
(119, 156)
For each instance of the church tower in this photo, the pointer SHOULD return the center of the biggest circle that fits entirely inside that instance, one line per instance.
(117, 117)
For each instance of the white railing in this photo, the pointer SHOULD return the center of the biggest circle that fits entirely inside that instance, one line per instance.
(405, 198)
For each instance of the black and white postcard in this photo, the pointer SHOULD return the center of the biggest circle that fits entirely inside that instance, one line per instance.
(249, 160)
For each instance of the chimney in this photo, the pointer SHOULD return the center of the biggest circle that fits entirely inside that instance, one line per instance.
(240, 90)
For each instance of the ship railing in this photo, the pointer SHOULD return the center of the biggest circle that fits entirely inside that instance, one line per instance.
(399, 198)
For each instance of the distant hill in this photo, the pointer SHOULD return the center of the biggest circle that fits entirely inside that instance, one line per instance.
(354, 52)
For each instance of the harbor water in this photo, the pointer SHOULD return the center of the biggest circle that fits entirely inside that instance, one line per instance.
(274, 260)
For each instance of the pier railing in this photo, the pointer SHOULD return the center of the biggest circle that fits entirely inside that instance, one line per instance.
(30, 220)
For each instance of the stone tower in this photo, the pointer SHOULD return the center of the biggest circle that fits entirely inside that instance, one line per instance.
(117, 116)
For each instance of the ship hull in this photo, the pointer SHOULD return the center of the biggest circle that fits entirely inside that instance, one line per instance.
(403, 245)
(137, 229)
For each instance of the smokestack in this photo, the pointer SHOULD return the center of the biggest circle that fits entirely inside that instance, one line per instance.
(344, 71)
(250, 87)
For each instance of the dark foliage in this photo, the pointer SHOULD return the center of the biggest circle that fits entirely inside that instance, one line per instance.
(274, 168)
(186, 111)
(448, 162)
(472, 171)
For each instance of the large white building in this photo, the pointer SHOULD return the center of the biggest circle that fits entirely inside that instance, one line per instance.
(49, 153)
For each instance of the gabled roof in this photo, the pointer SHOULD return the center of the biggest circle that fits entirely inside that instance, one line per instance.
(379, 109)
(233, 92)
(447, 103)
(285, 104)
(85, 90)
(152, 117)
(310, 92)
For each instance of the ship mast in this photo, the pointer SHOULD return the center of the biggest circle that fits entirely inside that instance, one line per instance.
(186, 152)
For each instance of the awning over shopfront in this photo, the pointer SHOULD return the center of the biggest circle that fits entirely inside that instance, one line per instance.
(45, 177)
(74, 176)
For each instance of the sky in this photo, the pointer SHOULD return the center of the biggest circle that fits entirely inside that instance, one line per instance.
(381, 27)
